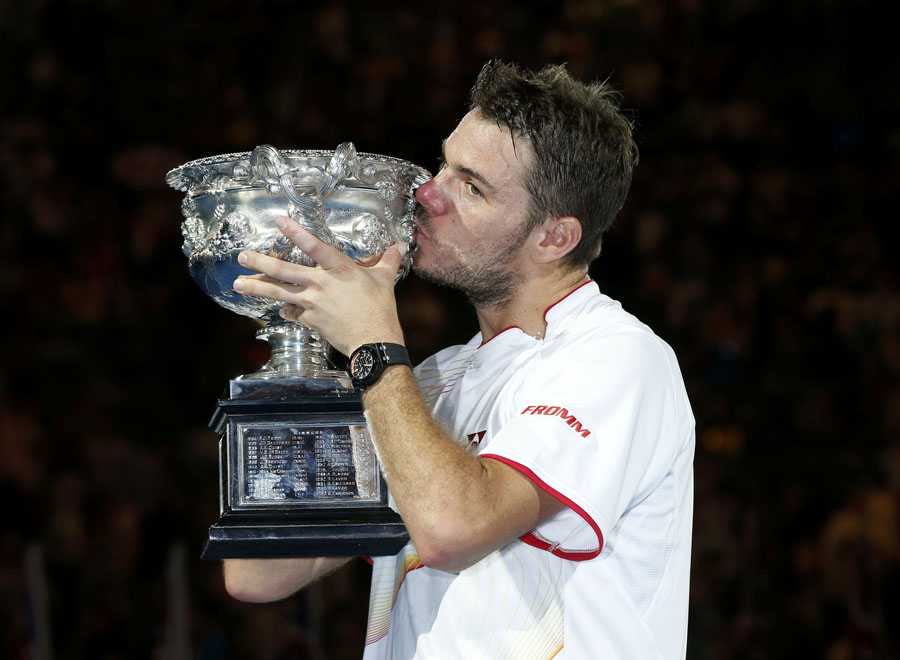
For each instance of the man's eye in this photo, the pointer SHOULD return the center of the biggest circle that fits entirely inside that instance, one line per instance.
(472, 189)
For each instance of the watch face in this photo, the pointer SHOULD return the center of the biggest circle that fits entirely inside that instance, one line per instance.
(362, 364)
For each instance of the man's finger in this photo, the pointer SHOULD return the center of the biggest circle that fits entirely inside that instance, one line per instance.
(277, 269)
(291, 312)
(392, 258)
(261, 277)
(267, 288)
(324, 255)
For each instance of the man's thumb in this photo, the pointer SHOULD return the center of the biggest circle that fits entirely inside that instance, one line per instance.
(393, 257)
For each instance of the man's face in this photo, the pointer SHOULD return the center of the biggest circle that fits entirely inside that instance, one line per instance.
(471, 229)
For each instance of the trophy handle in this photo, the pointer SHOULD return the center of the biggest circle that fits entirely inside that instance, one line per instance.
(268, 165)
(344, 163)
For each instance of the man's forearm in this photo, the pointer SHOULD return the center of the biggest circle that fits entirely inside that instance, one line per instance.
(264, 580)
(457, 507)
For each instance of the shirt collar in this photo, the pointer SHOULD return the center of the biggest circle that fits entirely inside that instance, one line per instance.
(553, 315)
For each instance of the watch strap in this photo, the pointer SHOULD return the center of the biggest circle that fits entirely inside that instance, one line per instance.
(384, 355)
(393, 354)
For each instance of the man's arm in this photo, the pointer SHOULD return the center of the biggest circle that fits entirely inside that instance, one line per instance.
(264, 580)
(456, 506)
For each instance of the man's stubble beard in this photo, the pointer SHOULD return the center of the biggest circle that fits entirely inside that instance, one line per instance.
(488, 283)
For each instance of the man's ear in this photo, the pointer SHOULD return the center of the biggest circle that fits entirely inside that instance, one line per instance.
(558, 237)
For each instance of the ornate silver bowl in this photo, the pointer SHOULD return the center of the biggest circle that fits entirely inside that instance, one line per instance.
(357, 202)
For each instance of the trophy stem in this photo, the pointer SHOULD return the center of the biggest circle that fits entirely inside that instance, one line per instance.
(297, 352)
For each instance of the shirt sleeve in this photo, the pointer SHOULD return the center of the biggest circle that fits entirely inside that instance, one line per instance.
(594, 426)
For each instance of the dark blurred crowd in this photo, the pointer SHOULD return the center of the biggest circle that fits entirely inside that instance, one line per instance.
(757, 241)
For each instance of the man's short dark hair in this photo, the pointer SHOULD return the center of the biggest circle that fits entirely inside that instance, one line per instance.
(584, 151)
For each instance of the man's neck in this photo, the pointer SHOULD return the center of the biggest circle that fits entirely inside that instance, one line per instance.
(526, 308)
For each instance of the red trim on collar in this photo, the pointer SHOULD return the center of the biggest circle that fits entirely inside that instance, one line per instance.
(510, 327)
(531, 538)
(565, 296)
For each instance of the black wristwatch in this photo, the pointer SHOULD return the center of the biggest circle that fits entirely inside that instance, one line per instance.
(369, 361)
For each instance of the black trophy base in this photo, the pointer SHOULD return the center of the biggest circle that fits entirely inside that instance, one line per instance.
(261, 537)
(299, 476)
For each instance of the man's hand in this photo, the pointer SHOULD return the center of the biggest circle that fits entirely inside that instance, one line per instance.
(348, 303)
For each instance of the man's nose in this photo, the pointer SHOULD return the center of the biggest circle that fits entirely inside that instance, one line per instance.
(430, 196)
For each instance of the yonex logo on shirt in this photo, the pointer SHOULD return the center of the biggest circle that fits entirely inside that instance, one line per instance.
(475, 438)
(556, 411)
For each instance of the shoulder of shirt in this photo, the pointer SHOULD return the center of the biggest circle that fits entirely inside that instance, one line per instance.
(599, 314)
(600, 323)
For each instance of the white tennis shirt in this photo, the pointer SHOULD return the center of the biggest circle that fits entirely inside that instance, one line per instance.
(596, 414)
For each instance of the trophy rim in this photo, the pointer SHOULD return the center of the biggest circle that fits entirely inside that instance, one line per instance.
(175, 180)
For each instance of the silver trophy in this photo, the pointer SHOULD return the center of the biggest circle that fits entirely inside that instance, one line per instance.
(299, 475)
